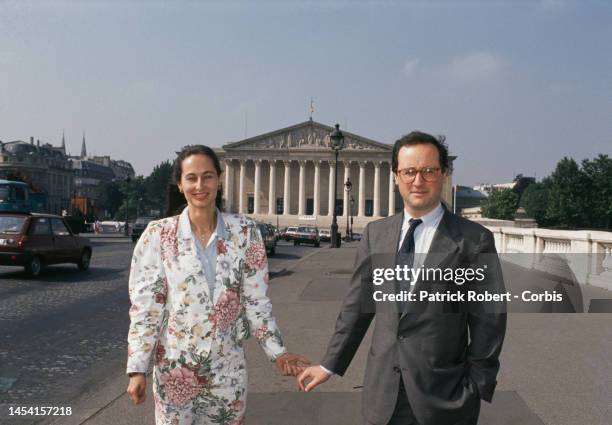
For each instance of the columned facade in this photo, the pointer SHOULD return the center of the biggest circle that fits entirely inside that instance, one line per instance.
(287, 177)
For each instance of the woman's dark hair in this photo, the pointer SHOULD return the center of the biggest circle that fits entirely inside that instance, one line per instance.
(419, 138)
(175, 200)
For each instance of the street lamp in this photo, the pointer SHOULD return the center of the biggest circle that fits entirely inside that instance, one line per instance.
(347, 187)
(337, 143)
(351, 212)
(127, 198)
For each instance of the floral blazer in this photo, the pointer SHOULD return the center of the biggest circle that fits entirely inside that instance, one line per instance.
(171, 299)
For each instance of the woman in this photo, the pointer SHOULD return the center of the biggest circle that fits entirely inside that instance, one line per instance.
(198, 285)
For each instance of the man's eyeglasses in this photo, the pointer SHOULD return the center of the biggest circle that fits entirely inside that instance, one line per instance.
(429, 174)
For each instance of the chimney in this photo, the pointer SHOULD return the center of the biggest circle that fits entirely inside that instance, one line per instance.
(38, 142)
(31, 140)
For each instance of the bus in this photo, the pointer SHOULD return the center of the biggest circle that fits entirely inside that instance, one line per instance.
(17, 196)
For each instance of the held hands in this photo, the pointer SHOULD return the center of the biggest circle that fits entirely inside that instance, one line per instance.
(136, 388)
(290, 364)
(315, 374)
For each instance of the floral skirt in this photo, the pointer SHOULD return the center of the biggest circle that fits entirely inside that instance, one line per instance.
(192, 389)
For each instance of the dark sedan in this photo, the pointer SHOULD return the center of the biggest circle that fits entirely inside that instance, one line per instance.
(139, 226)
(269, 237)
(35, 240)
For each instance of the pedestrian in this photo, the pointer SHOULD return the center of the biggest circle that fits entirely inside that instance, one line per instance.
(425, 366)
(197, 286)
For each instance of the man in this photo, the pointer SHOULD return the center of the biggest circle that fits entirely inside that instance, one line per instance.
(430, 367)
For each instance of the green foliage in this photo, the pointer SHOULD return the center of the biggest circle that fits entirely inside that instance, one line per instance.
(535, 201)
(598, 175)
(573, 196)
(501, 204)
(110, 196)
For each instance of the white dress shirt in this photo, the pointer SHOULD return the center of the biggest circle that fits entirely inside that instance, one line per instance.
(423, 234)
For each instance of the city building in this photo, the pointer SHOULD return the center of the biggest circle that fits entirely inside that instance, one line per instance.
(287, 177)
(44, 167)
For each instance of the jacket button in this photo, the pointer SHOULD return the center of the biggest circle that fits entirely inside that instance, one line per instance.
(396, 369)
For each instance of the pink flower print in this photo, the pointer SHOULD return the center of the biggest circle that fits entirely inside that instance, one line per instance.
(261, 334)
(256, 255)
(168, 242)
(237, 405)
(181, 385)
(227, 309)
(221, 248)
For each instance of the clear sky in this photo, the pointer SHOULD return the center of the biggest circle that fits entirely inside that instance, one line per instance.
(514, 86)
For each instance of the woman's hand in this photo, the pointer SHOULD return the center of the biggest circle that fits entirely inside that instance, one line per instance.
(136, 388)
(290, 364)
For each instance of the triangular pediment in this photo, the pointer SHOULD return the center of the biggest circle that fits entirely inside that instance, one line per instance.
(309, 135)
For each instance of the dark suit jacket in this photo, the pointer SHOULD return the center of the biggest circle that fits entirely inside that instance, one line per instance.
(448, 361)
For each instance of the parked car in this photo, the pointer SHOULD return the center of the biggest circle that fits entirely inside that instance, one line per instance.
(35, 240)
(290, 233)
(139, 226)
(324, 235)
(307, 235)
(267, 233)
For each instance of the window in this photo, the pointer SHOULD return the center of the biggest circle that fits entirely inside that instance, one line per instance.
(41, 227)
(251, 205)
(339, 206)
(369, 208)
(11, 225)
(59, 228)
(309, 206)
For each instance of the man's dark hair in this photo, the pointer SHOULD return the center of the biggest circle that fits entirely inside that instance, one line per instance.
(420, 138)
(176, 200)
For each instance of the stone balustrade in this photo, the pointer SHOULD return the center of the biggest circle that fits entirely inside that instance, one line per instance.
(587, 253)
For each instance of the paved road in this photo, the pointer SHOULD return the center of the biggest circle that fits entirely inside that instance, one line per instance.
(58, 332)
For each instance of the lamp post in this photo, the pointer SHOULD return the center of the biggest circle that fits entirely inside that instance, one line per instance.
(337, 143)
(351, 211)
(347, 187)
(127, 198)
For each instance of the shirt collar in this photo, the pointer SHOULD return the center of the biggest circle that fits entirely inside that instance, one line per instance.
(428, 219)
(185, 227)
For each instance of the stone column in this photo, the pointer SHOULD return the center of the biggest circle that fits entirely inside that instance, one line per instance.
(332, 184)
(391, 192)
(227, 192)
(272, 188)
(361, 211)
(302, 188)
(257, 189)
(287, 188)
(241, 203)
(346, 196)
(317, 195)
(376, 212)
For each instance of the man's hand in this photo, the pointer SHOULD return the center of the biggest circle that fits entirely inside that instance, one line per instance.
(290, 364)
(136, 388)
(315, 374)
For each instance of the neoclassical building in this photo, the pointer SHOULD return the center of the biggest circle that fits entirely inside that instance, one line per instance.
(286, 177)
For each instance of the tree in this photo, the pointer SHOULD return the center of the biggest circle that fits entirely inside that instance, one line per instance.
(501, 204)
(567, 200)
(155, 186)
(598, 175)
(109, 196)
(535, 201)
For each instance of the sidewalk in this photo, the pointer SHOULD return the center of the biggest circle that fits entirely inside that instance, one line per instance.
(555, 367)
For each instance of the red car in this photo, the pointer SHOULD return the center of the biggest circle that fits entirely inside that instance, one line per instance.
(35, 240)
